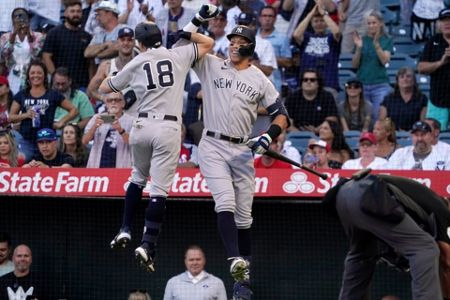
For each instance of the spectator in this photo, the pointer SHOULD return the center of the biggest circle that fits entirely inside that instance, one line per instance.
(421, 155)
(10, 157)
(310, 105)
(317, 157)
(110, 133)
(351, 17)
(441, 147)
(62, 82)
(424, 16)
(45, 13)
(21, 282)
(406, 104)
(267, 162)
(18, 48)
(188, 153)
(5, 103)
(279, 41)
(7, 7)
(384, 131)
(6, 265)
(34, 107)
(136, 11)
(110, 67)
(320, 49)
(252, 7)
(355, 113)
(434, 61)
(216, 27)
(49, 156)
(172, 19)
(139, 295)
(340, 152)
(367, 158)
(373, 52)
(65, 44)
(92, 26)
(70, 143)
(195, 283)
(104, 43)
(193, 108)
(299, 9)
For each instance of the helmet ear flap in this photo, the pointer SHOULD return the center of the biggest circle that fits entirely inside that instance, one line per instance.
(247, 50)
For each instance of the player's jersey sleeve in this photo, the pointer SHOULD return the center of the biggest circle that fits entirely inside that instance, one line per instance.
(122, 79)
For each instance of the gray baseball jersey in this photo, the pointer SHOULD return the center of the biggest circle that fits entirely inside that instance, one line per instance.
(157, 77)
(230, 102)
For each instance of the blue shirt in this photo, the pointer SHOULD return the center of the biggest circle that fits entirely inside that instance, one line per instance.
(321, 52)
(281, 47)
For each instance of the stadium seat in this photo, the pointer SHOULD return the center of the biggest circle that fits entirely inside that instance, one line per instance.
(399, 60)
(391, 18)
(345, 62)
(403, 138)
(300, 139)
(404, 44)
(345, 75)
(352, 134)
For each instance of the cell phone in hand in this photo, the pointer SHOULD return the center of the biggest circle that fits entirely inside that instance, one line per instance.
(108, 118)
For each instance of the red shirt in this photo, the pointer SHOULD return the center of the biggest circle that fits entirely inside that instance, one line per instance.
(4, 163)
(277, 164)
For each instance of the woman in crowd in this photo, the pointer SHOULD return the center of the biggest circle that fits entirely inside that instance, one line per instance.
(367, 158)
(71, 144)
(9, 153)
(5, 102)
(331, 133)
(406, 104)
(110, 132)
(34, 107)
(384, 131)
(373, 52)
(355, 113)
(18, 48)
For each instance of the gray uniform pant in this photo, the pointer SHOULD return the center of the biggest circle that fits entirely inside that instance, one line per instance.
(406, 237)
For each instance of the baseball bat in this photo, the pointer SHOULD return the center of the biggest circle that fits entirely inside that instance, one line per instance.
(281, 157)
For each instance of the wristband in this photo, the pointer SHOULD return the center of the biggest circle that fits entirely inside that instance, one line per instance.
(186, 35)
(190, 27)
(122, 132)
(274, 131)
(196, 22)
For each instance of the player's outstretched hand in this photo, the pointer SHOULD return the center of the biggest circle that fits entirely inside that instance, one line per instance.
(260, 144)
(207, 12)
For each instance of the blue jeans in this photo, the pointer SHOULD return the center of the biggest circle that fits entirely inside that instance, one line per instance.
(375, 93)
(28, 148)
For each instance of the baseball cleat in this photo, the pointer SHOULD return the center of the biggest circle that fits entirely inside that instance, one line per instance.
(242, 291)
(239, 269)
(121, 240)
(145, 258)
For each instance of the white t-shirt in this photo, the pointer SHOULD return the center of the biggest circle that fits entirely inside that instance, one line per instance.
(403, 159)
(355, 164)
(428, 9)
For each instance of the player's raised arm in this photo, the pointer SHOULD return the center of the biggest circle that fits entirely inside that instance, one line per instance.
(204, 43)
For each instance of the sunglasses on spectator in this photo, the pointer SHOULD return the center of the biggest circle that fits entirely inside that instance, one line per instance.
(111, 100)
(306, 79)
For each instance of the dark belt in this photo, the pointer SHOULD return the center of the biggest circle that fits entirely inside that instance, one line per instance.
(158, 116)
(235, 140)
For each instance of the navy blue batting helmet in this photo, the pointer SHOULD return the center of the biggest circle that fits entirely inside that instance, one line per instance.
(248, 34)
(148, 34)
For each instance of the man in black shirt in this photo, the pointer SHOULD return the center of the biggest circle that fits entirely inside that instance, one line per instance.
(65, 44)
(435, 61)
(310, 105)
(49, 156)
(21, 282)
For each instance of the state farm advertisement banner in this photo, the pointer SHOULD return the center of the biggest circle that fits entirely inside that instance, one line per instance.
(187, 182)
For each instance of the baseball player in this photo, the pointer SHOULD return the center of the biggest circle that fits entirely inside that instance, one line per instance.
(232, 90)
(157, 77)
(402, 213)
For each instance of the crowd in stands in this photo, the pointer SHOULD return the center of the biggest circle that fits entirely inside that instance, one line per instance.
(55, 54)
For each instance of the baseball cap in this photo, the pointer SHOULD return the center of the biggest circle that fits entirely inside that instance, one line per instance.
(246, 19)
(321, 144)
(368, 136)
(353, 80)
(46, 134)
(108, 6)
(445, 13)
(4, 80)
(125, 31)
(420, 126)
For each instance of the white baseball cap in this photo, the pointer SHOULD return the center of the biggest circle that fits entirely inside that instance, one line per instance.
(108, 6)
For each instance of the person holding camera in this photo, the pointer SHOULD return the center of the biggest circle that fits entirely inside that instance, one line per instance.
(110, 133)
(18, 48)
